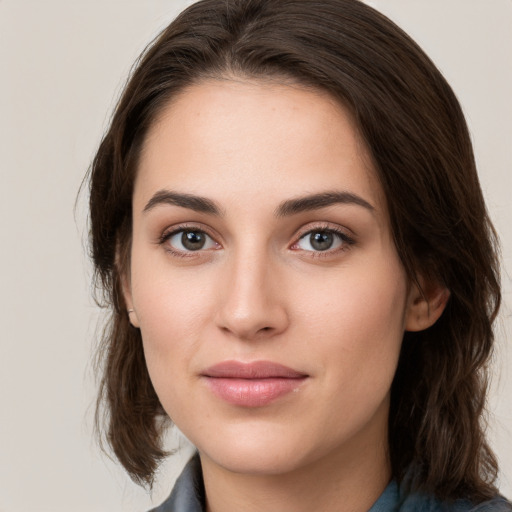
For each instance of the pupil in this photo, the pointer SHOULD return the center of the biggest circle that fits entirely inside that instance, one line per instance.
(321, 241)
(193, 240)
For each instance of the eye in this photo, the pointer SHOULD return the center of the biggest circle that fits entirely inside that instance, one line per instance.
(189, 240)
(321, 240)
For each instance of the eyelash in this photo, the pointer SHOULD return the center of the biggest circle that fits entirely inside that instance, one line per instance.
(346, 240)
(167, 235)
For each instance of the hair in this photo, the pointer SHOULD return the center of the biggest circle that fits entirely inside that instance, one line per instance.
(416, 134)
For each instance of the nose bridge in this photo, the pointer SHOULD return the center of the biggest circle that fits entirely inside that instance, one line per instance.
(252, 304)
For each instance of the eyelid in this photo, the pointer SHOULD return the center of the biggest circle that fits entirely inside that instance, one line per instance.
(346, 239)
(343, 233)
(325, 226)
(186, 226)
(171, 231)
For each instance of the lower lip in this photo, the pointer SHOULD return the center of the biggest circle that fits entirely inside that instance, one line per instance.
(253, 392)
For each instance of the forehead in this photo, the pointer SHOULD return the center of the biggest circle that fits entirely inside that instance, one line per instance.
(255, 139)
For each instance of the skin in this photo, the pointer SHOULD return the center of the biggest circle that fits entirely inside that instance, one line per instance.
(258, 290)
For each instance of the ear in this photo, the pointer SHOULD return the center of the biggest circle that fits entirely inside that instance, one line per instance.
(128, 300)
(426, 304)
(126, 288)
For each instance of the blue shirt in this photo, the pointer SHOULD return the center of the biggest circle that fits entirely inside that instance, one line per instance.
(188, 496)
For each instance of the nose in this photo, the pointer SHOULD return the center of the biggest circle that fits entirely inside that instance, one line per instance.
(252, 302)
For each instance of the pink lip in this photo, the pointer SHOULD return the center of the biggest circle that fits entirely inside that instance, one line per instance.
(252, 384)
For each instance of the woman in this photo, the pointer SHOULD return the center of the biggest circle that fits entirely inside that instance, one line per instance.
(288, 226)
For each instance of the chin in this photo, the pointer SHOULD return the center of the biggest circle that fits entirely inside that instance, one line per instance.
(264, 451)
(257, 462)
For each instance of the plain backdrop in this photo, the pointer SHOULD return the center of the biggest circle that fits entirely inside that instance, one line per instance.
(63, 64)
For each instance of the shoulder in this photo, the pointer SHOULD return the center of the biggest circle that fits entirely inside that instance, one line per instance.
(410, 500)
(498, 504)
(423, 503)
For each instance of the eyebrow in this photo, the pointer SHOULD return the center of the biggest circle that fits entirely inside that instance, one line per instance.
(321, 200)
(285, 209)
(192, 202)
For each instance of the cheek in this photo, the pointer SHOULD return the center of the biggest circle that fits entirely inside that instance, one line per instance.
(356, 302)
(171, 319)
(164, 295)
(356, 323)
(172, 309)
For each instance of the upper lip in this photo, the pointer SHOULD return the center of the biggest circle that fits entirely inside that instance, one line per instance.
(252, 370)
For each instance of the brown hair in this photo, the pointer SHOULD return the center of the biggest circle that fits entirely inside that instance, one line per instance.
(418, 139)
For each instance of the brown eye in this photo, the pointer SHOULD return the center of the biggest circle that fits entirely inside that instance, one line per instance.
(190, 240)
(322, 240)
(193, 240)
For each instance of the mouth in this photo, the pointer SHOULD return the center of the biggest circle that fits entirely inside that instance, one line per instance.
(253, 384)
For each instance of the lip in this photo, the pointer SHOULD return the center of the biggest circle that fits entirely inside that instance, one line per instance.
(253, 384)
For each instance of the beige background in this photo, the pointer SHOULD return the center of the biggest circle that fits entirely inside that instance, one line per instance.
(63, 63)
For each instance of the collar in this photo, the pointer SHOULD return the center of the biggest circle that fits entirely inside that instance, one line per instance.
(188, 496)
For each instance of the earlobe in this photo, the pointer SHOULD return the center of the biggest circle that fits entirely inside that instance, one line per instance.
(127, 294)
(128, 300)
(122, 267)
(426, 305)
(132, 316)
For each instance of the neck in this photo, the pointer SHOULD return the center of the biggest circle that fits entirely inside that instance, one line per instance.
(354, 477)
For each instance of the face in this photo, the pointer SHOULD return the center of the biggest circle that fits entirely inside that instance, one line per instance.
(264, 278)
